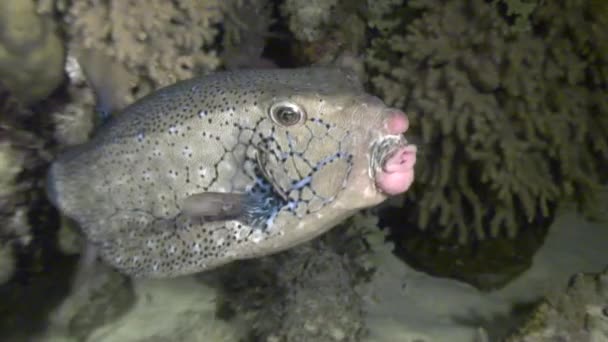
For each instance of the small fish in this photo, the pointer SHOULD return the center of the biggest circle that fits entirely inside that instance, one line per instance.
(232, 165)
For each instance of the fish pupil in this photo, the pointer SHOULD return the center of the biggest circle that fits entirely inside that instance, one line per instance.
(286, 113)
(287, 116)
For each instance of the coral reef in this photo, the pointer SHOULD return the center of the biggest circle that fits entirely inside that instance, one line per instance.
(23, 156)
(327, 32)
(580, 313)
(323, 299)
(158, 43)
(74, 120)
(307, 19)
(31, 53)
(108, 299)
(128, 50)
(304, 294)
(513, 122)
(519, 11)
(27, 224)
(246, 30)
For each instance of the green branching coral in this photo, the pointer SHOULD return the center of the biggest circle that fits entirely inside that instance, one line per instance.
(519, 11)
(512, 122)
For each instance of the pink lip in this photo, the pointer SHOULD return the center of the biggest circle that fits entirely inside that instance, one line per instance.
(402, 160)
(397, 122)
(397, 173)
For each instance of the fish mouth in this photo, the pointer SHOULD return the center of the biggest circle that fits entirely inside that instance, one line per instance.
(392, 164)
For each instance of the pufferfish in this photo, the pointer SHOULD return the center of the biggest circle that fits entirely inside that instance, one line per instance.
(231, 165)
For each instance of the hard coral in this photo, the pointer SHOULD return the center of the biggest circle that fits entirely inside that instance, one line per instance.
(151, 46)
(22, 157)
(304, 294)
(246, 30)
(31, 53)
(159, 43)
(327, 32)
(512, 122)
(321, 304)
(308, 18)
(580, 313)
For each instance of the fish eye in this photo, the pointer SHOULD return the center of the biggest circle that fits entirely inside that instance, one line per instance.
(287, 113)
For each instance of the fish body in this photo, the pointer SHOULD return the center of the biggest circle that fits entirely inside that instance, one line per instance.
(229, 166)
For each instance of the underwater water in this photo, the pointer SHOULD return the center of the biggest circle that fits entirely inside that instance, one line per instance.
(297, 170)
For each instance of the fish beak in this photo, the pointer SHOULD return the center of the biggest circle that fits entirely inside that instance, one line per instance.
(392, 164)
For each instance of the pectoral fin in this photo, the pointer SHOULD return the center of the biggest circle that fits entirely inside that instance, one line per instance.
(253, 209)
(216, 206)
